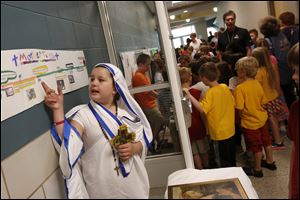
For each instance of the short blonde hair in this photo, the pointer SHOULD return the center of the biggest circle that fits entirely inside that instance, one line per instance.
(210, 71)
(185, 74)
(249, 65)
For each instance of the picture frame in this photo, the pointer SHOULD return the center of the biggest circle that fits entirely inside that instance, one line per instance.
(217, 189)
(31, 94)
(61, 83)
(71, 79)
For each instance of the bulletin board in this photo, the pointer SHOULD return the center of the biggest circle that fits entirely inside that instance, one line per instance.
(23, 70)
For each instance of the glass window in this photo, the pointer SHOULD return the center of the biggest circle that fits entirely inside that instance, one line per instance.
(177, 42)
(212, 29)
(181, 34)
(184, 39)
(187, 30)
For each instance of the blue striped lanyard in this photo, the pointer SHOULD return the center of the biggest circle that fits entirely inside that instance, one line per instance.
(107, 129)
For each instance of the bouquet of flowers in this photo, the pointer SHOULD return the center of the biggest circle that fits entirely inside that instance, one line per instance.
(123, 136)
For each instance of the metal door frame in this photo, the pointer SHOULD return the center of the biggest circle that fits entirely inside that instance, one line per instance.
(162, 164)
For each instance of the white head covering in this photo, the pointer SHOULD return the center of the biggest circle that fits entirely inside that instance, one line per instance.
(128, 102)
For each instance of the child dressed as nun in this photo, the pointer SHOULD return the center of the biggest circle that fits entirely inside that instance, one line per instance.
(93, 166)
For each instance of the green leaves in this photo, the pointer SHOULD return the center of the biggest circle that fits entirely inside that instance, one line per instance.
(123, 136)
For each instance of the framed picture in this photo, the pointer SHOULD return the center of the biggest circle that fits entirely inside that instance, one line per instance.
(71, 79)
(9, 91)
(31, 94)
(219, 189)
(61, 83)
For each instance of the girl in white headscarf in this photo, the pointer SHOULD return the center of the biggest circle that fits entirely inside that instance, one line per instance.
(91, 165)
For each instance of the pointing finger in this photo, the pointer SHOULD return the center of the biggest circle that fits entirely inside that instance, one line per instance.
(45, 86)
(59, 89)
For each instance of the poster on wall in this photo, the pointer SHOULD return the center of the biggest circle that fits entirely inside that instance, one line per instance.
(23, 70)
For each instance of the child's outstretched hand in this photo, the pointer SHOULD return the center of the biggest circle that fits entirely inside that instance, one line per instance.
(52, 99)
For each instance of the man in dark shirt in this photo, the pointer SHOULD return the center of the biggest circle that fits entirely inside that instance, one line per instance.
(234, 39)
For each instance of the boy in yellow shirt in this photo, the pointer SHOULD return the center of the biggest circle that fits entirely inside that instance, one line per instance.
(249, 98)
(218, 107)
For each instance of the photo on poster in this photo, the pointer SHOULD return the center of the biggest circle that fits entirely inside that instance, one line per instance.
(61, 83)
(9, 91)
(71, 79)
(31, 94)
(69, 65)
(219, 189)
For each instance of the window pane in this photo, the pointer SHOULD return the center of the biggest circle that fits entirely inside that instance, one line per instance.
(187, 30)
(212, 29)
(184, 39)
(176, 42)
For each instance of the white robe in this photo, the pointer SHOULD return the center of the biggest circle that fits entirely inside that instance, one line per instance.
(92, 173)
(98, 163)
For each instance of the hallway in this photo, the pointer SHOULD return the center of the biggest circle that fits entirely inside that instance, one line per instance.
(274, 184)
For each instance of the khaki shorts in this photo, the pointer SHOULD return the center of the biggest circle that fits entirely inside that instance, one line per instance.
(155, 119)
(200, 146)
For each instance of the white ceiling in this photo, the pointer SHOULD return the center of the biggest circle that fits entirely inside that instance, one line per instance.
(197, 11)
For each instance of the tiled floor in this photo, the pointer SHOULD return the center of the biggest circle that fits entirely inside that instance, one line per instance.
(274, 184)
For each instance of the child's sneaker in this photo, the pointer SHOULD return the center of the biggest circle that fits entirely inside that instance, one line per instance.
(270, 166)
(250, 171)
(276, 146)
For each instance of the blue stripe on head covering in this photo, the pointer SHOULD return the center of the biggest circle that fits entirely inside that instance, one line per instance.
(107, 67)
(124, 98)
(117, 86)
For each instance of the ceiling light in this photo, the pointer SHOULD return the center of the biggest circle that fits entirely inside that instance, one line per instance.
(215, 9)
(172, 17)
(188, 20)
(173, 2)
(185, 11)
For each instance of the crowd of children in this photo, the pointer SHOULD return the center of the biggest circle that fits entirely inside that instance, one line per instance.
(233, 95)
(238, 97)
